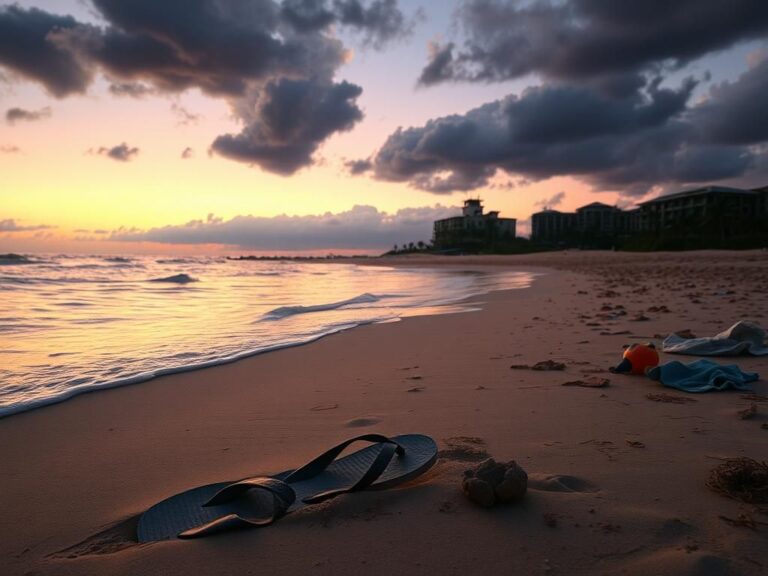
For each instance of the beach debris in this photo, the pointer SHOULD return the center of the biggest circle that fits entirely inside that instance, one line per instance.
(416, 389)
(616, 333)
(742, 479)
(640, 317)
(322, 407)
(589, 382)
(414, 377)
(491, 483)
(635, 444)
(670, 398)
(663, 309)
(748, 413)
(543, 366)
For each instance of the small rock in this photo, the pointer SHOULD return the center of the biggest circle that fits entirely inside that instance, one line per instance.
(492, 483)
(479, 492)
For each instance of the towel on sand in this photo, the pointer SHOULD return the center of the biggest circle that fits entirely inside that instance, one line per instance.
(741, 338)
(702, 376)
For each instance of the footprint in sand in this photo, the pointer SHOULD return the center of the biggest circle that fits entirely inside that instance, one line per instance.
(362, 422)
(464, 449)
(560, 483)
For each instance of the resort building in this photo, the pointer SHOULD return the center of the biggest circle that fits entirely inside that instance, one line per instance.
(730, 207)
(473, 229)
(710, 215)
(552, 225)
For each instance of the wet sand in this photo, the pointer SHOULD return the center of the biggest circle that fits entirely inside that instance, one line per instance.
(617, 478)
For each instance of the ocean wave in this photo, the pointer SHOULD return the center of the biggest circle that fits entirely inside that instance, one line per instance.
(178, 261)
(82, 385)
(176, 279)
(121, 259)
(14, 259)
(285, 311)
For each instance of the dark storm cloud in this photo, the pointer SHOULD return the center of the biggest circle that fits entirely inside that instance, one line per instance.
(250, 52)
(33, 44)
(627, 143)
(506, 39)
(357, 167)
(440, 66)
(121, 152)
(379, 21)
(359, 228)
(735, 112)
(131, 89)
(291, 119)
(13, 115)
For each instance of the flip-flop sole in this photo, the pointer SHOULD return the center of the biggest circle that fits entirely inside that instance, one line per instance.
(167, 519)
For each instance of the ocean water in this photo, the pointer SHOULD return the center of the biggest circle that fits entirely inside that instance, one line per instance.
(71, 324)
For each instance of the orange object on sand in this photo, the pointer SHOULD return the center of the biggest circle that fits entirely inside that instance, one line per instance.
(638, 358)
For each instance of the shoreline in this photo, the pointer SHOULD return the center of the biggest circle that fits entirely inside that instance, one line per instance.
(80, 471)
(438, 307)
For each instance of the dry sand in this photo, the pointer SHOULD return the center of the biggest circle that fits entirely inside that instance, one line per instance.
(617, 480)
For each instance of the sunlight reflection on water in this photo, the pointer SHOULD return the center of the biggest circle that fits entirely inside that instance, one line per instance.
(70, 324)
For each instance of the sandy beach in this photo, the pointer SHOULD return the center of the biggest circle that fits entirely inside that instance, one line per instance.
(617, 479)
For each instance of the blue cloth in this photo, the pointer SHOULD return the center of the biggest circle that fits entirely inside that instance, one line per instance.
(702, 376)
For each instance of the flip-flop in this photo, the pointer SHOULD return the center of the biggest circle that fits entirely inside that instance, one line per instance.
(260, 500)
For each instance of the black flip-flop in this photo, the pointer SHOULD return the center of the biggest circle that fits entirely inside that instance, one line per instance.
(260, 500)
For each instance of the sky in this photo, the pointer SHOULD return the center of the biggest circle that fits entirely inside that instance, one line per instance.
(345, 126)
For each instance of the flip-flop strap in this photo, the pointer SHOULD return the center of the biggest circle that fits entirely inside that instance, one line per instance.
(377, 467)
(283, 497)
(316, 466)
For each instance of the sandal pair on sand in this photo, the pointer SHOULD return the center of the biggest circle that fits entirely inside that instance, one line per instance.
(260, 500)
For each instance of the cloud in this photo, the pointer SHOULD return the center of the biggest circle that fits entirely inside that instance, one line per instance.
(357, 167)
(131, 89)
(185, 117)
(33, 44)
(121, 152)
(440, 66)
(506, 39)
(623, 140)
(273, 62)
(11, 225)
(362, 227)
(734, 112)
(379, 22)
(187, 153)
(13, 115)
(10, 150)
(550, 203)
(291, 119)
